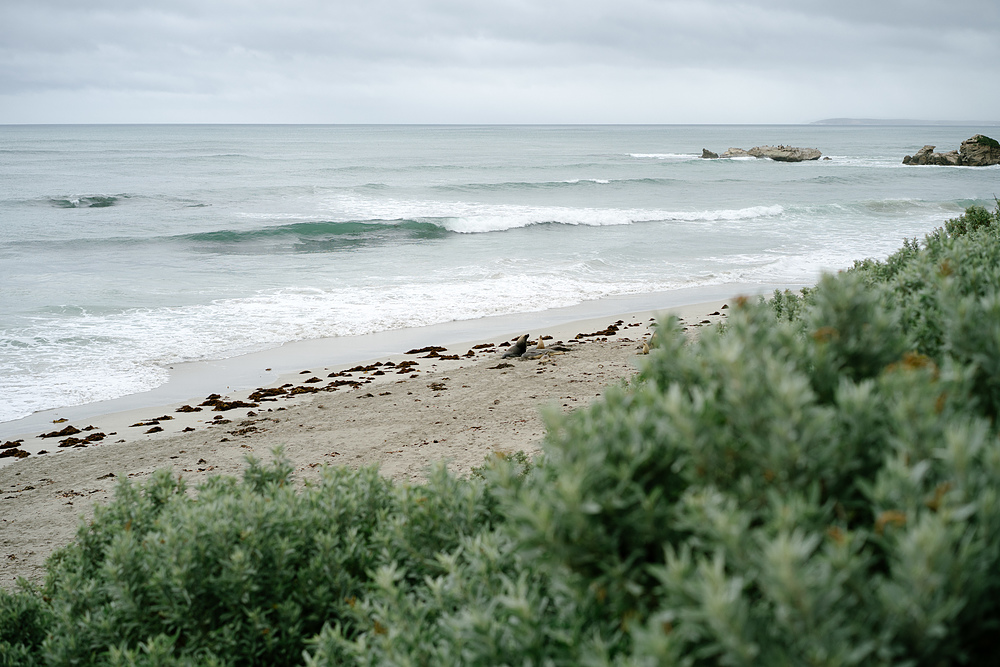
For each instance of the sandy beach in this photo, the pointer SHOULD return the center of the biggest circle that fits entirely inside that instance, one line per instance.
(401, 412)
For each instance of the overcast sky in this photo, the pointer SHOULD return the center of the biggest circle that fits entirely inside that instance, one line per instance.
(497, 61)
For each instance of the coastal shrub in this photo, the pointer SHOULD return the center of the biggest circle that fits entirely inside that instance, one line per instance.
(754, 501)
(244, 572)
(788, 305)
(975, 218)
(931, 286)
(521, 461)
(24, 621)
(489, 607)
(817, 482)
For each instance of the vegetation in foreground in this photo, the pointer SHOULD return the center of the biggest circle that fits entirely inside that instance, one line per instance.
(816, 483)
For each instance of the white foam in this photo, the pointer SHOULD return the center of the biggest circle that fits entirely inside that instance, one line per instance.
(664, 156)
(472, 218)
(876, 162)
(129, 352)
(683, 156)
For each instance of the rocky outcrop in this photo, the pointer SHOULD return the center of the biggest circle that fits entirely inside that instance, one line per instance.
(777, 153)
(980, 151)
(785, 153)
(735, 152)
(926, 155)
(708, 155)
(977, 151)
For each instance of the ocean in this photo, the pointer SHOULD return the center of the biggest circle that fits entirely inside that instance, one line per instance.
(125, 249)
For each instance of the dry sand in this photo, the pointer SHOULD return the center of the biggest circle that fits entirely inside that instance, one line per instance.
(457, 410)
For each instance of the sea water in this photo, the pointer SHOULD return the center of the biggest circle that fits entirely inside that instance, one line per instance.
(124, 249)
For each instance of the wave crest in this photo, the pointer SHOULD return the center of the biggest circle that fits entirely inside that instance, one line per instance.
(496, 219)
(444, 219)
(322, 229)
(90, 201)
(569, 183)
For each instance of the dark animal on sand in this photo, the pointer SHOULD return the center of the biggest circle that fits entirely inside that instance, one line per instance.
(536, 352)
(517, 349)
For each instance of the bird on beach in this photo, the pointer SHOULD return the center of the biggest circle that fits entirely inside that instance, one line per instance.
(517, 349)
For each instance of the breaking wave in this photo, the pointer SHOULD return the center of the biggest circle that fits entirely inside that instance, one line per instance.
(90, 201)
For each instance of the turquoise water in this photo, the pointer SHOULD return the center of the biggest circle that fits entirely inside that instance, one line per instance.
(127, 248)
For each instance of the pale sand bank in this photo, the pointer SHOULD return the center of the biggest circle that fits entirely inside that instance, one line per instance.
(454, 410)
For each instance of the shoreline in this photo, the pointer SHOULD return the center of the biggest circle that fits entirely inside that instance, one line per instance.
(189, 380)
(401, 412)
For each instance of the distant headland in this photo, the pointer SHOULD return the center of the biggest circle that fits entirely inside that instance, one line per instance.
(901, 121)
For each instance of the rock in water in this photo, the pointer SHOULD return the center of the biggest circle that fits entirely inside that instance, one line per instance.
(977, 151)
(785, 153)
(980, 151)
(926, 155)
(735, 152)
(708, 155)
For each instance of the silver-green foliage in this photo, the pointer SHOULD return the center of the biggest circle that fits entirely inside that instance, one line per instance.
(244, 572)
(768, 497)
(944, 295)
(24, 622)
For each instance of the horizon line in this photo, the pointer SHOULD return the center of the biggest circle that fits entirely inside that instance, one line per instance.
(825, 121)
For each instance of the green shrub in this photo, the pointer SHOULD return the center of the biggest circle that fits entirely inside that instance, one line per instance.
(974, 219)
(244, 572)
(760, 502)
(521, 462)
(817, 482)
(24, 622)
(788, 305)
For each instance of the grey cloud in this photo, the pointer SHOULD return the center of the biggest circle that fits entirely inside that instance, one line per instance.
(428, 30)
(246, 48)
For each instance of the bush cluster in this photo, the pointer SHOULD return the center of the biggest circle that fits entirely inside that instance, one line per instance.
(815, 483)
